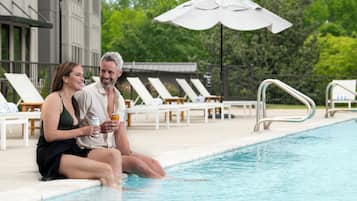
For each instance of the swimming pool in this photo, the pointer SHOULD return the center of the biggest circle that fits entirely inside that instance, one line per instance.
(319, 164)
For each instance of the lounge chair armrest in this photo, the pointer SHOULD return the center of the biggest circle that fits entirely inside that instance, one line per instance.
(178, 100)
(213, 98)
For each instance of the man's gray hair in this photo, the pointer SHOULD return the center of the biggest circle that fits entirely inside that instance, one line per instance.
(114, 57)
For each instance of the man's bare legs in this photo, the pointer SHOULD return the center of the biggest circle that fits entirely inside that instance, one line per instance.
(142, 166)
(152, 163)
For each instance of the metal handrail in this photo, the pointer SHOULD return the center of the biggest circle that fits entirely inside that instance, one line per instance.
(329, 102)
(261, 117)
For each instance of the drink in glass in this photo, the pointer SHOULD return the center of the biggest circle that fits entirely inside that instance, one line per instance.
(115, 117)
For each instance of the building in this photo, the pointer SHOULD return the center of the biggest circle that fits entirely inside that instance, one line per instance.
(36, 35)
(76, 34)
(19, 24)
(49, 32)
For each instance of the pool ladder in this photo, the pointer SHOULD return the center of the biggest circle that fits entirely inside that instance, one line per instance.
(261, 117)
(329, 101)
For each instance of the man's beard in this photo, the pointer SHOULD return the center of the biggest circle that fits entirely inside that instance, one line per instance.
(107, 85)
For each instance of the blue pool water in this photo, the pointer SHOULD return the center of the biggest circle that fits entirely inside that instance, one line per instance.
(316, 165)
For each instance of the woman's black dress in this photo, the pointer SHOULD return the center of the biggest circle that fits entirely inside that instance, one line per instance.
(49, 153)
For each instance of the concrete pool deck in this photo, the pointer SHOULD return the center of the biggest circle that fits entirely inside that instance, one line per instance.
(19, 177)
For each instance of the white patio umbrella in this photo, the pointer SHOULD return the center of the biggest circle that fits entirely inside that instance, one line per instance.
(243, 15)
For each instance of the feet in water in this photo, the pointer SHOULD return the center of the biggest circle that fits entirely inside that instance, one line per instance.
(184, 179)
(119, 187)
(115, 187)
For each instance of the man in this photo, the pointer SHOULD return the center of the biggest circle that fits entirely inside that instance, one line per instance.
(101, 100)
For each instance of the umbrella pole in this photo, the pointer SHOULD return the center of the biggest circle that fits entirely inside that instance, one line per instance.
(221, 62)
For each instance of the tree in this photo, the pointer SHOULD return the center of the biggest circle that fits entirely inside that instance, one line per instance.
(340, 13)
(259, 54)
(337, 56)
(327, 26)
(132, 32)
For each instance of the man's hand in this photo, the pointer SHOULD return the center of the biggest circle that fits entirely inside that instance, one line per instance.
(89, 130)
(109, 126)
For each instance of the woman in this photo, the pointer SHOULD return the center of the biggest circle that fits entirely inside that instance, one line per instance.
(58, 155)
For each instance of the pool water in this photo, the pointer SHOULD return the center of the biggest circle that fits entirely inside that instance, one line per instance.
(316, 165)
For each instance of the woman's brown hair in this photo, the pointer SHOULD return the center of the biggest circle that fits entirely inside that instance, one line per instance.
(62, 70)
(57, 82)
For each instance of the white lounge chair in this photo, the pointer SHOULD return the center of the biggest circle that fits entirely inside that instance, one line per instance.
(141, 109)
(12, 118)
(195, 98)
(340, 95)
(30, 99)
(165, 95)
(96, 78)
(188, 90)
(24, 88)
(204, 92)
(163, 92)
(150, 102)
(2, 99)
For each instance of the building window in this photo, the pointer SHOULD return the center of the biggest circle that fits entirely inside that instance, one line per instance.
(95, 7)
(76, 54)
(17, 44)
(95, 59)
(5, 42)
(17, 65)
(27, 49)
(27, 43)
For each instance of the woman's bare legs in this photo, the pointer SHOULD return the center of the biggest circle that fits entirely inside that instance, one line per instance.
(76, 167)
(110, 156)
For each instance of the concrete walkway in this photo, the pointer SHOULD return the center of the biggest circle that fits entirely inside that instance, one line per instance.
(19, 177)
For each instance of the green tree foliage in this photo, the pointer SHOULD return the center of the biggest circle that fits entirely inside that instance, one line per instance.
(122, 32)
(344, 13)
(336, 30)
(333, 29)
(320, 43)
(337, 56)
(341, 14)
(336, 42)
(260, 54)
(130, 30)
